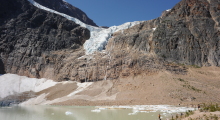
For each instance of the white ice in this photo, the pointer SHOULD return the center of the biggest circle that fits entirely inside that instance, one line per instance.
(98, 36)
(68, 113)
(99, 39)
(149, 108)
(96, 110)
(11, 84)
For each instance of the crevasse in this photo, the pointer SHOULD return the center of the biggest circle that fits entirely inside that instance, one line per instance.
(98, 36)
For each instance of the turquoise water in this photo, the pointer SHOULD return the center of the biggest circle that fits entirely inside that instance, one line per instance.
(72, 113)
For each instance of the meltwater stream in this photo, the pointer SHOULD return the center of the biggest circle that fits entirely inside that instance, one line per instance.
(78, 113)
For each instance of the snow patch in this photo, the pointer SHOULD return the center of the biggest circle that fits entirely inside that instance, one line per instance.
(81, 87)
(98, 36)
(168, 10)
(11, 84)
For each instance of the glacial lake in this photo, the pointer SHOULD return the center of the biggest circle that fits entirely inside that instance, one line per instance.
(80, 113)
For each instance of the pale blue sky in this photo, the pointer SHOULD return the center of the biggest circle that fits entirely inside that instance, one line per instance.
(117, 12)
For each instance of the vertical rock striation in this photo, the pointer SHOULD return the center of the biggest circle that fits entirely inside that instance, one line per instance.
(29, 37)
(187, 34)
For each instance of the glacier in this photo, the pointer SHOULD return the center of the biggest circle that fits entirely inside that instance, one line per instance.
(98, 36)
(11, 84)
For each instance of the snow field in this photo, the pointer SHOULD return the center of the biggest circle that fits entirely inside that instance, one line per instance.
(11, 84)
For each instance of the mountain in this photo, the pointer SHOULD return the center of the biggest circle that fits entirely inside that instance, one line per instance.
(30, 35)
(173, 58)
(188, 34)
(66, 8)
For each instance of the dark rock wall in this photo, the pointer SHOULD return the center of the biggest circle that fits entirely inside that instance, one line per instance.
(188, 34)
(2, 67)
(29, 37)
(36, 43)
(64, 7)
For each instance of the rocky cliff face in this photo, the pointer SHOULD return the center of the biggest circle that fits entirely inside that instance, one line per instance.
(30, 37)
(64, 7)
(36, 43)
(187, 34)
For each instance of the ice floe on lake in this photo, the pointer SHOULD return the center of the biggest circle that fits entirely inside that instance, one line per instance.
(68, 113)
(164, 109)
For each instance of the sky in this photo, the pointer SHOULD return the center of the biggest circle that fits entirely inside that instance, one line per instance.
(116, 12)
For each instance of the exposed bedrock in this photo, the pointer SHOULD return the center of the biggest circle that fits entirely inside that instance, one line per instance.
(36, 43)
(30, 37)
(187, 34)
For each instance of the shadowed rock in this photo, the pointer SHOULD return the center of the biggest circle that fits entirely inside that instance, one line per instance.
(64, 7)
(29, 36)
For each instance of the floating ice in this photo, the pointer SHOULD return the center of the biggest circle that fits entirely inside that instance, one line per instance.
(150, 108)
(96, 110)
(68, 113)
(134, 112)
(98, 36)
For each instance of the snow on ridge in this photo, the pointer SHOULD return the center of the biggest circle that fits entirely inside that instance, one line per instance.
(98, 36)
(168, 10)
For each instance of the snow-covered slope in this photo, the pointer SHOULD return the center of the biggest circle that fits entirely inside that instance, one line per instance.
(11, 84)
(98, 36)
